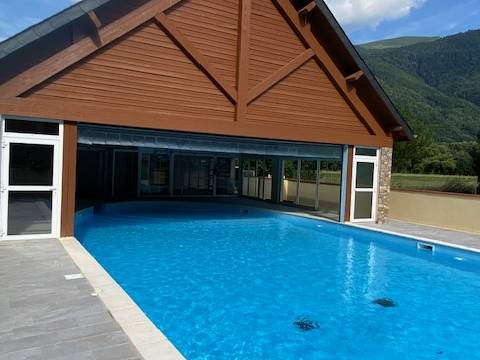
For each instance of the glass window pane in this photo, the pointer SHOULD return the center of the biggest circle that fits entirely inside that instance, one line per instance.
(329, 189)
(366, 152)
(155, 174)
(290, 181)
(226, 172)
(31, 164)
(365, 175)
(363, 205)
(31, 127)
(308, 183)
(264, 173)
(193, 175)
(29, 212)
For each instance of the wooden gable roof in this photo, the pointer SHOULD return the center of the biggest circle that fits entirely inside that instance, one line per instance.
(234, 67)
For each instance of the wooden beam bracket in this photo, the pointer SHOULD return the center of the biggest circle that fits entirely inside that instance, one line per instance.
(197, 57)
(355, 76)
(94, 19)
(305, 11)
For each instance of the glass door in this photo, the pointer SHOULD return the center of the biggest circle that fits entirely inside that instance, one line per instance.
(193, 175)
(30, 187)
(364, 185)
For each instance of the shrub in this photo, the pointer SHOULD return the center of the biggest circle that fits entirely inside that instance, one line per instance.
(459, 185)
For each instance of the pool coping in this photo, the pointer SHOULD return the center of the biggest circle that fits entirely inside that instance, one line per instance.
(389, 232)
(150, 342)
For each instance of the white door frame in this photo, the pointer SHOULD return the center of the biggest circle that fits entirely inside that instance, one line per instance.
(374, 190)
(56, 188)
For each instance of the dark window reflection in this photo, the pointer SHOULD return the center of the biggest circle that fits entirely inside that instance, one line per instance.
(31, 164)
(29, 212)
(31, 127)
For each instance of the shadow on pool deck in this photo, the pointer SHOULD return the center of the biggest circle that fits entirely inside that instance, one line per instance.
(44, 316)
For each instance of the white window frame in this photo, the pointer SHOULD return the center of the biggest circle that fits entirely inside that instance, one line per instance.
(56, 188)
(374, 190)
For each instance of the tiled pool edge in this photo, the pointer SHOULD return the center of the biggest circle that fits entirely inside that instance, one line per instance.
(417, 238)
(150, 342)
(394, 233)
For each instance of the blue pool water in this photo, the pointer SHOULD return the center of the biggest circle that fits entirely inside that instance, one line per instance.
(224, 283)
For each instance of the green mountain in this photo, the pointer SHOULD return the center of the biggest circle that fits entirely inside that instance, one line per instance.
(433, 82)
(399, 42)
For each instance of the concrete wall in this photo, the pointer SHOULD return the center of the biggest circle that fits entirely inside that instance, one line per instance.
(445, 210)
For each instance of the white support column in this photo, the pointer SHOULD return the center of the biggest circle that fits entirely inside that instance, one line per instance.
(344, 185)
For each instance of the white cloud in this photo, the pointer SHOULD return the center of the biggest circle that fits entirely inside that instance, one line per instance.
(361, 13)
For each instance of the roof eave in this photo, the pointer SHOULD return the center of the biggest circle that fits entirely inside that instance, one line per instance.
(407, 131)
(48, 25)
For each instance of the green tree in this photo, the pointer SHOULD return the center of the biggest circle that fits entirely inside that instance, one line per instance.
(408, 156)
(440, 162)
(476, 160)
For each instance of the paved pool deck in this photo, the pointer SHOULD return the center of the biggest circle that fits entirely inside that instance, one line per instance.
(454, 238)
(44, 316)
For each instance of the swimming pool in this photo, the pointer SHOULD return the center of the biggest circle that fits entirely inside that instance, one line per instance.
(231, 282)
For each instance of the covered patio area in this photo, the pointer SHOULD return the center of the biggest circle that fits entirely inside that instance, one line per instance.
(115, 164)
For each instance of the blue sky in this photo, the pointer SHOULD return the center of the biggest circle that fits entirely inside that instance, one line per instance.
(363, 20)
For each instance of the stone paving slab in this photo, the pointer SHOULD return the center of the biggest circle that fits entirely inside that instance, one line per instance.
(458, 238)
(44, 316)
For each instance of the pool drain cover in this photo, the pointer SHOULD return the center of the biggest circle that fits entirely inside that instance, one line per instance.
(305, 324)
(385, 302)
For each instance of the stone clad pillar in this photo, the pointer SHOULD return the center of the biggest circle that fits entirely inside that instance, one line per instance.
(385, 177)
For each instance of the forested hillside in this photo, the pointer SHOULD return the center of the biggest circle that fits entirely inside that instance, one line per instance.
(435, 84)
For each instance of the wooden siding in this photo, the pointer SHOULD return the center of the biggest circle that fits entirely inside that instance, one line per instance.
(144, 70)
(197, 65)
(273, 42)
(212, 27)
(306, 98)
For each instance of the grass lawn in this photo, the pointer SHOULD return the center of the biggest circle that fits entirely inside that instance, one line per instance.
(447, 183)
(444, 183)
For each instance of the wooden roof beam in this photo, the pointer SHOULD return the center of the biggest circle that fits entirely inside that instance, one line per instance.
(280, 74)
(328, 64)
(243, 59)
(79, 50)
(71, 110)
(197, 57)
